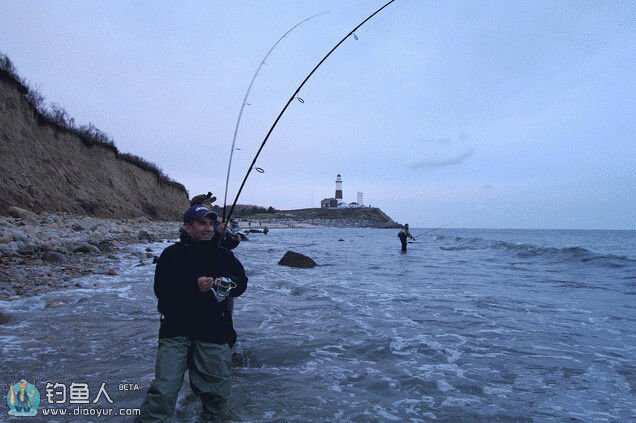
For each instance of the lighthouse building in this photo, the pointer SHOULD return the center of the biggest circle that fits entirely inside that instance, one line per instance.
(337, 201)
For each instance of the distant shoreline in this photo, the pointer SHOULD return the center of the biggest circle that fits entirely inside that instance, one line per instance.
(360, 217)
(49, 251)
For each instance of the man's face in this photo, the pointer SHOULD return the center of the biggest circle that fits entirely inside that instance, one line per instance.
(200, 230)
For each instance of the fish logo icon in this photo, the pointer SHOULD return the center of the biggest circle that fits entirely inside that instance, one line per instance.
(23, 399)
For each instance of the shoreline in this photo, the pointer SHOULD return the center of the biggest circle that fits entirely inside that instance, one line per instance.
(49, 251)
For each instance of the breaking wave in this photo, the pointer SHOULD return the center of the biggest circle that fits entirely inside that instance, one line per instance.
(552, 254)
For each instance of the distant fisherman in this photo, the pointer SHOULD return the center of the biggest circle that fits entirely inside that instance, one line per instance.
(403, 235)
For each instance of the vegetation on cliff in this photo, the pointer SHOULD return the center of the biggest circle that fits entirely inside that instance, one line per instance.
(50, 164)
(55, 115)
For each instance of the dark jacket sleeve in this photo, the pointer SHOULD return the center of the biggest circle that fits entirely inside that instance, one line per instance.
(229, 242)
(236, 272)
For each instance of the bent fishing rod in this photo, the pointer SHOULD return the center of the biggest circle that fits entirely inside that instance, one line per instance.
(247, 93)
(294, 96)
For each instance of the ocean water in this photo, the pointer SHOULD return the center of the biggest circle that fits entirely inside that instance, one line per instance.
(468, 325)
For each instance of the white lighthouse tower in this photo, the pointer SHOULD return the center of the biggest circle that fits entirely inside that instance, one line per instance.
(339, 187)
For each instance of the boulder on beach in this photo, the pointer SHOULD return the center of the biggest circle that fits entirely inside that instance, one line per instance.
(20, 213)
(144, 235)
(85, 247)
(293, 259)
(54, 257)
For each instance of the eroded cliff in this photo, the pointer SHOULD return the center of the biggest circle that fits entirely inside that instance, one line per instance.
(44, 167)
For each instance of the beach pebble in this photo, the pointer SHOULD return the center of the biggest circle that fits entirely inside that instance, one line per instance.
(51, 303)
(145, 235)
(10, 249)
(27, 250)
(96, 238)
(4, 222)
(85, 247)
(19, 236)
(26, 215)
(105, 246)
(18, 276)
(54, 257)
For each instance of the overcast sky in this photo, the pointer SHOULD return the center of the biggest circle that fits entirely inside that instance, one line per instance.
(467, 114)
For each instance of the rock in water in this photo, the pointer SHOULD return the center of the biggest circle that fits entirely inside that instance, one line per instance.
(293, 259)
(4, 318)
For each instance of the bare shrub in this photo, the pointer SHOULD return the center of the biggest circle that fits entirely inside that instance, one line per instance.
(61, 117)
(7, 65)
(91, 135)
(35, 99)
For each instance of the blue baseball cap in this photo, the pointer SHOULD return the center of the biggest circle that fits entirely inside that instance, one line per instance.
(198, 212)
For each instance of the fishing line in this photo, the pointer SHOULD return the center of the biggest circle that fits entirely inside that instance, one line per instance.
(247, 93)
(432, 230)
(372, 25)
(292, 98)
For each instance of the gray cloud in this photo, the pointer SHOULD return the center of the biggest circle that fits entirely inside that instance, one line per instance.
(442, 161)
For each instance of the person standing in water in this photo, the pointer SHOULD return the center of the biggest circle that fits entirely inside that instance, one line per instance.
(195, 331)
(403, 235)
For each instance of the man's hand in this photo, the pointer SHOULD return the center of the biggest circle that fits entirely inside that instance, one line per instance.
(205, 283)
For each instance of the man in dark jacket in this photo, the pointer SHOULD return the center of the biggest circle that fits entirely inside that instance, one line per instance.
(196, 329)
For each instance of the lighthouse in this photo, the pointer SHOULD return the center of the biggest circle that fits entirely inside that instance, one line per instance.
(338, 187)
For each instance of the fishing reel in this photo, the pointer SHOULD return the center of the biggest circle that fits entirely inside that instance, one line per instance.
(223, 287)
